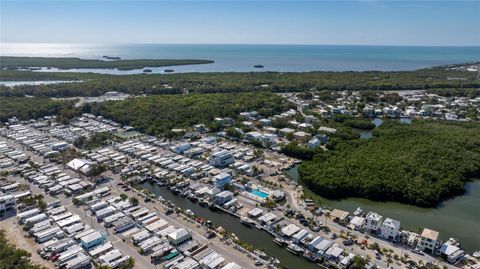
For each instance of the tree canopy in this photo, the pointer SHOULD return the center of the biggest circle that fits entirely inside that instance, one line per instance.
(421, 164)
(159, 114)
(12, 257)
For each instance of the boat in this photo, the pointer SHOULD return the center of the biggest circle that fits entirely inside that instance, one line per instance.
(358, 212)
(310, 256)
(453, 242)
(279, 241)
(192, 197)
(260, 254)
(168, 70)
(147, 71)
(258, 66)
(293, 248)
(203, 202)
(247, 222)
(476, 254)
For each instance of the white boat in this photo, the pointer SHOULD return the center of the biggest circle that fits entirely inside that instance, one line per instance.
(295, 249)
(358, 212)
(476, 254)
(453, 242)
(260, 253)
(247, 221)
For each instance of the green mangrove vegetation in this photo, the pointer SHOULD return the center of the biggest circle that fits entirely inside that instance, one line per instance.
(12, 63)
(97, 84)
(25, 108)
(421, 164)
(157, 115)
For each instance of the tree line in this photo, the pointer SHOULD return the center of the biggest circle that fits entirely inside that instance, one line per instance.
(157, 115)
(97, 84)
(421, 164)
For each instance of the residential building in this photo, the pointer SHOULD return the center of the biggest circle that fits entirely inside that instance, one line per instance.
(428, 241)
(357, 223)
(221, 158)
(451, 253)
(179, 236)
(373, 222)
(223, 197)
(285, 131)
(265, 122)
(92, 240)
(314, 143)
(390, 229)
(7, 202)
(302, 136)
(221, 180)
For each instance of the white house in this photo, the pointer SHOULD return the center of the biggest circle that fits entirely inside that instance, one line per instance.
(223, 197)
(222, 179)
(7, 202)
(179, 236)
(80, 165)
(357, 223)
(221, 158)
(390, 229)
(314, 143)
(373, 221)
(451, 253)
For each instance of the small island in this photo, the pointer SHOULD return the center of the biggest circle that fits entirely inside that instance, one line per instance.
(111, 57)
(258, 66)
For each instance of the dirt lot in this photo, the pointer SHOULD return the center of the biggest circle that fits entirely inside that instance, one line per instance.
(15, 235)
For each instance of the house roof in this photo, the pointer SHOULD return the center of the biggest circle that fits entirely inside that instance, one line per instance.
(430, 234)
(338, 214)
(392, 223)
(290, 229)
(178, 234)
(358, 221)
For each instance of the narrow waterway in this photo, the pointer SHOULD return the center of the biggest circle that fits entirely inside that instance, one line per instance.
(458, 217)
(367, 134)
(258, 239)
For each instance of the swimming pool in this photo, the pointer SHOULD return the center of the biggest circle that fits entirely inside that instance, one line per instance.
(259, 193)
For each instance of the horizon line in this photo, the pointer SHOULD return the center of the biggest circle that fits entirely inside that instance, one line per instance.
(233, 44)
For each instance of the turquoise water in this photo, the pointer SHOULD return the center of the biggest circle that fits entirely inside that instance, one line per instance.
(259, 193)
(241, 58)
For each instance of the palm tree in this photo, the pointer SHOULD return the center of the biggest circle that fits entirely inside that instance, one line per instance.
(130, 263)
(389, 261)
(133, 201)
(327, 215)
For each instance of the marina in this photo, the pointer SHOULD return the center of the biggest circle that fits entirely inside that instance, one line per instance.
(257, 238)
(461, 211)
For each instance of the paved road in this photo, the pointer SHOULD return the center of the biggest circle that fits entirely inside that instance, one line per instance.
(227, 251)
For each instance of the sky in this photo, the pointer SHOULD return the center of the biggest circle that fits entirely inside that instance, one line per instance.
(361, 22)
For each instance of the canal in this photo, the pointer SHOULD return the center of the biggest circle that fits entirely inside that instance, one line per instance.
(458, 217)
(258, 239)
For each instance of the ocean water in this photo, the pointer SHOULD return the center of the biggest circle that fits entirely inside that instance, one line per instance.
(242, 58)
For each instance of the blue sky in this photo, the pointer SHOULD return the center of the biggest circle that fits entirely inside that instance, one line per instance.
(242, 22)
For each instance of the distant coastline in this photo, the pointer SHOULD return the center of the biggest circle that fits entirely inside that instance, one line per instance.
(37, 63)
(242, 58)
